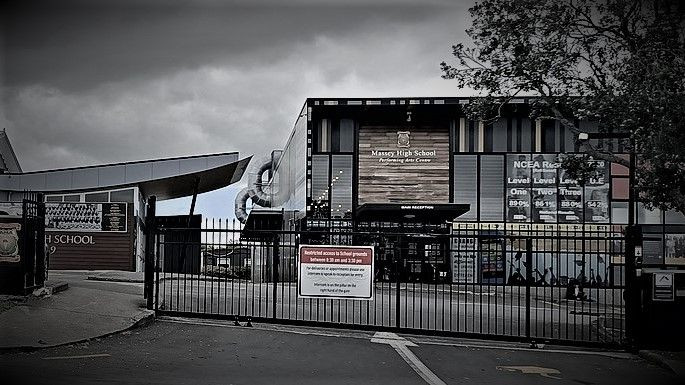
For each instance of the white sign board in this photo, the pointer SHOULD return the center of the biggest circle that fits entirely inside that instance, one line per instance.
(338, 272)
(664, 288)
(464, 267)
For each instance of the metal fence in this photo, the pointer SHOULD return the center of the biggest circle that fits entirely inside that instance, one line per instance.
(534, 285)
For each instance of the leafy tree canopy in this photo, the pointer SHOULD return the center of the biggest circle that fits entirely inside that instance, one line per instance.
(620, 63)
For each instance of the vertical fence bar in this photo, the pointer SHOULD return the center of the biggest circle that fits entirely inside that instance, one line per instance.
(41, 268)
(397, 280)
(529, 258)
(274, 270)
(149, 250)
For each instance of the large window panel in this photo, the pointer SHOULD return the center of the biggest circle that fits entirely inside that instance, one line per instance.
(549, 135)
(346, 141)
(499, 135)
(341, 186)
(491, 188)
(466, 184)
(320, 186)
(97, 197)
(121, 196)
(646, 216)
(323, 140)
(525, 135)
(674, 218)
(619, 213)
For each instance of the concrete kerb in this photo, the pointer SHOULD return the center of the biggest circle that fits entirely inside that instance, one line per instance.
(143, 318)
(113, 279)
(660, 360)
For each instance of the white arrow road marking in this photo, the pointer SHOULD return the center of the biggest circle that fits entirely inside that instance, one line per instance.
(544, 372)
(401, 345)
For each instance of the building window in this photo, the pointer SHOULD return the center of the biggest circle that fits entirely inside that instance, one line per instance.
(53, 198)
(491, 188)
(619, 188)
(496, 136)
(646, 216)
(674, 218)
(341, 186)
(323, 137)
(121, 196)
(320, 193)
(619, 213)
(468, 136)
(518, 135)
(72, 198)
(97, 197)
(466, 184)
(487, 138)
(548, 133)
(344, 136)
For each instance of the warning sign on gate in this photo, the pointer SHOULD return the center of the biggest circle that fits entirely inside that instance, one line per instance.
(338, 272)
(663, 289)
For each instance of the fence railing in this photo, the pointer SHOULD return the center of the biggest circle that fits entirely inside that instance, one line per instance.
(532, 285)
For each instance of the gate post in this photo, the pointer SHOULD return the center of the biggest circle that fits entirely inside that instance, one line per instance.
(633, 287)
(529, 278)
(150, 224)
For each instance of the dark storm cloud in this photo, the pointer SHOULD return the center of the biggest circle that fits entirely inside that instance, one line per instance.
(73, 47)
(88, 84)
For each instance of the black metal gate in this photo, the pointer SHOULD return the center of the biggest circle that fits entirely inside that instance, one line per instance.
(23, 260)
(558, 284)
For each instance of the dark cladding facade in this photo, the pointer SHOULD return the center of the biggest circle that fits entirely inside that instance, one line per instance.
(363, 163)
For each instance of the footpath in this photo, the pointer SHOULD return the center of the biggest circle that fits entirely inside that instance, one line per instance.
(73, 309)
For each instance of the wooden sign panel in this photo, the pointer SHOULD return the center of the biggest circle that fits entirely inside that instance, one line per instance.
(398, 165)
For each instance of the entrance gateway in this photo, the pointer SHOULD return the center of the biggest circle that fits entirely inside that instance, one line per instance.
(395, 279)
(475, 229)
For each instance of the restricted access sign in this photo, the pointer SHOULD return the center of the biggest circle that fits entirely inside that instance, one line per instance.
(337, 272)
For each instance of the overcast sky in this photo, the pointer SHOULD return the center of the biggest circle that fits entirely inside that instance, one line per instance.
(92, 82)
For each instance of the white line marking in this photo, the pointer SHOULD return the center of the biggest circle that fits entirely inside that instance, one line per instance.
(401, 346)
(77, 357)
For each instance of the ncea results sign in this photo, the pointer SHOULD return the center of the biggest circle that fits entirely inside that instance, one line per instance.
(337, 272)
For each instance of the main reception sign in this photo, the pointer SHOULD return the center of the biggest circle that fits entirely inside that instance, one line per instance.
(403, 166)
(337, 272)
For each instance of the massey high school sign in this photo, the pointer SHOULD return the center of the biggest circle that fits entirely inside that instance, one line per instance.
(404, 156)
(403, 166)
